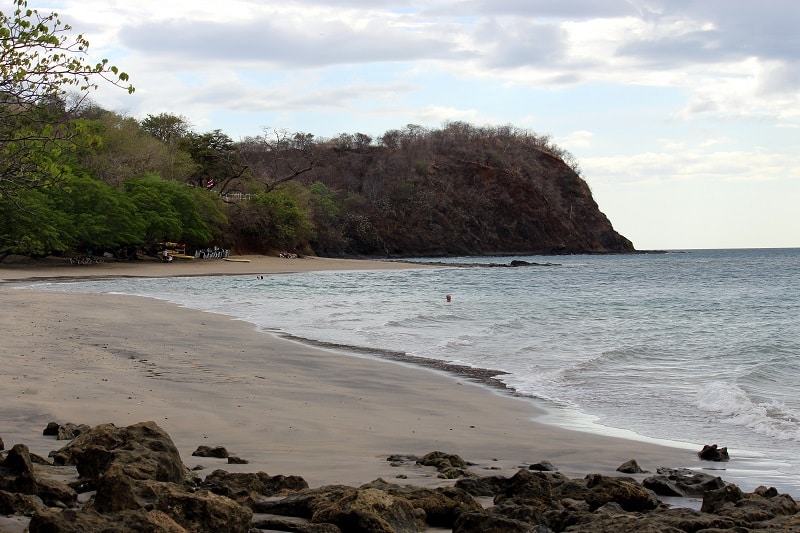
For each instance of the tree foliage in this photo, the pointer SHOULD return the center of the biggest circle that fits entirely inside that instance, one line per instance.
(166, 127)
(172, 211)
(73, 175)
(40, 61)
(276, 220)
(217, 162)
(79, 213)
(119, 149)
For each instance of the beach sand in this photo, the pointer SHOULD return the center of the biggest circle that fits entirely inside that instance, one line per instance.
(285, 407)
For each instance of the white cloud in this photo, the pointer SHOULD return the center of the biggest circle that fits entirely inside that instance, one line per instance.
(576, 139)
(724, 74)
(693, 164)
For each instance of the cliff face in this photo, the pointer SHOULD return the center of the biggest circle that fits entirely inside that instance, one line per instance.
(468, 200)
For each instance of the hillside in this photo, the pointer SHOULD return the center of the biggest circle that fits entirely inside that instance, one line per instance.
(124, 189)
(436, 194)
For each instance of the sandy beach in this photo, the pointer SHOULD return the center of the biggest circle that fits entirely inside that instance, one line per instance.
(285, 407)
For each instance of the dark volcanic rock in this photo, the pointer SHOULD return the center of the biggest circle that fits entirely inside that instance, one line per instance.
(247, 488)
(73, 521)
(293, 526)
(206, 451)
(441, 506)
(543, 466)
(482, 486)
(449, 466)
(115, 491)
(630, 467)
(195, 510)
(18, 463)
(18, 503)
(371, 510)
(140, 485)
(628, 494)
(713, 453)
(303, 504)
(17, 475)
(666, 521)
(526, 496)
(199, 510)
(144, 451)
(682, 482)
(493, 523)
(136, 470)
(527, 487)
(67, 431)
(760, 506)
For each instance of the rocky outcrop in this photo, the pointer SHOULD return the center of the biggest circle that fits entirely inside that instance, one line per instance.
(208, 451)
(437, 193)
(371, 510)
(711, 452)
(75, 521)
(630, 467)
(66, 431)
(552, 503)
(682, 482)
(441, 506)
(449, 466)
(247, 489)
(24, 490)
(142, 451)
(139, 484)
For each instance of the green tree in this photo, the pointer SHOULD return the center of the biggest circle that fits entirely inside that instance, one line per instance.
(79, 213)
(166, 127)
(120, 149)
(172, 211)
(32, 226)
(218, 166)
(40, 61)
(277, 220)
(326, 215)
(99, 216)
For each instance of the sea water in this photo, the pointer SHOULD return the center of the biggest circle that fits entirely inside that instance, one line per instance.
(692, 347)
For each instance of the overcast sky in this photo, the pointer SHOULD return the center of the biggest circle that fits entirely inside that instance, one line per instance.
(684, 115)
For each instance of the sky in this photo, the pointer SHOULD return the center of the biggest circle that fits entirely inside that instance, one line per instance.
(683, 115)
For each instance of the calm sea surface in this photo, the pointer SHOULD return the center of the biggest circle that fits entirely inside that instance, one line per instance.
(697, 347)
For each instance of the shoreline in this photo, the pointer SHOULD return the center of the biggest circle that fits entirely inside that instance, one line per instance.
(286, 407)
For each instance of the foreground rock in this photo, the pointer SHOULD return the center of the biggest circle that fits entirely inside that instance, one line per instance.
(23, 491)
(682, 482)
(66, 431)
(138, 483)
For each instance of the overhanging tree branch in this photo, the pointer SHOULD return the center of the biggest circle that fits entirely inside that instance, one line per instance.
(40, 61)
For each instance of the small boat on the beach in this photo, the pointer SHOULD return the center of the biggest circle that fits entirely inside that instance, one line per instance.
(236, 260)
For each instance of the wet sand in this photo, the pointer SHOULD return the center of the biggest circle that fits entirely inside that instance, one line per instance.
(285, 407)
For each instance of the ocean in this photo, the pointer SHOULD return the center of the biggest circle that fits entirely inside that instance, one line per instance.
(683, 348)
